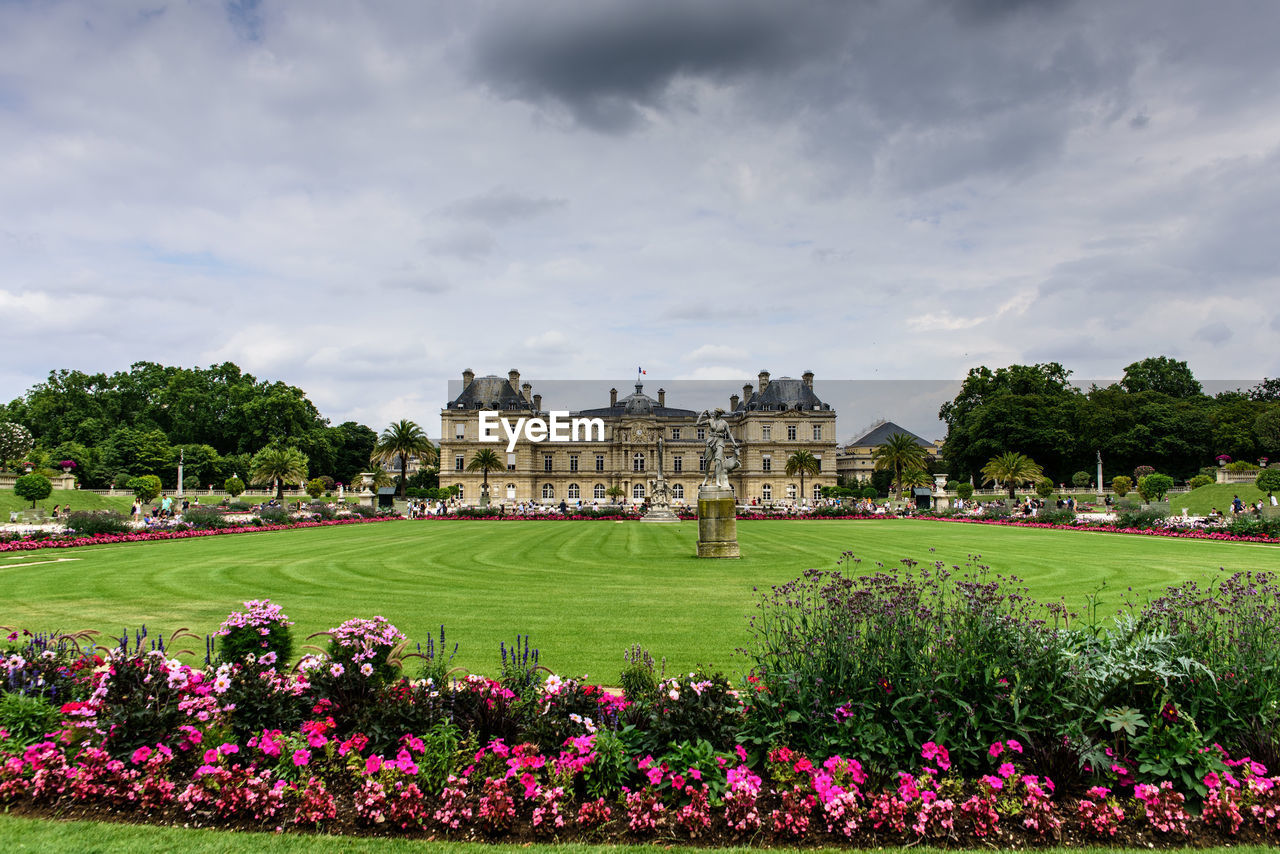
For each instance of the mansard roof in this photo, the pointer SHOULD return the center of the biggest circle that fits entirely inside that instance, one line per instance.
(880, 434)
(638, 403)
(784, 394)
(490, 393)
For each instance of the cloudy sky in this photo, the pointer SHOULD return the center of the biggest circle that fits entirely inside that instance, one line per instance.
(363, 199)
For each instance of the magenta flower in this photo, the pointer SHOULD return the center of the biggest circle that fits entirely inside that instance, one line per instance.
(301, 757)
(1006, 770)
(995, 750)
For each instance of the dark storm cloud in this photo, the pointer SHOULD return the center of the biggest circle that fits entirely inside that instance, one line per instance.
(603, 61)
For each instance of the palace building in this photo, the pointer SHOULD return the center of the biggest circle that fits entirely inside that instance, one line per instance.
(770, 421)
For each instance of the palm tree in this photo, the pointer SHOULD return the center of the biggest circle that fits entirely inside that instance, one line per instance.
(802, 463)
(900, 453)
(403, 439)
(1011, 469)
(615, 492)
(485, 461)
(280, 463)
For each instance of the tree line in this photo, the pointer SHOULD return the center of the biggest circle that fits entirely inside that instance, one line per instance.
(1157, 415)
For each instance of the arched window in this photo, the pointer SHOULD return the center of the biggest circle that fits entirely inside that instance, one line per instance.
(677, 491)
(460, 493)
(637, 492)
(573, 492)
(548, 491)
(598, 492)
(817, 491)
(791, 491)
(511, 492)
(637, 462)
(766, 492)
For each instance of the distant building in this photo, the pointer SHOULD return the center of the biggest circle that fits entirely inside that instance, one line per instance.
(770, 422)
(854, 460)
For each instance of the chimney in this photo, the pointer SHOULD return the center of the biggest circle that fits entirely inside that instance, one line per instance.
(807, 376)
(764, 381)
(513, 377)
(613, 397)
(733, 402)
(662, 397)
(527, 390)
(467, 376)
(537, 403)
(746, 392)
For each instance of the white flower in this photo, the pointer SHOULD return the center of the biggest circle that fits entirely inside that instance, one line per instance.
(553, 684)
(366, 669)
(221, 684)
(674, 694)
(337, 669)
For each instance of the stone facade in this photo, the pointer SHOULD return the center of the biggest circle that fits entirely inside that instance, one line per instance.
(770, 424)
(854, 460)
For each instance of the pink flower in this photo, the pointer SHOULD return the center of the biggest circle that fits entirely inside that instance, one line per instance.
(1013, 745)
(1006, 770)
(993, 781)
(301, 757)
(141, 755)
(995, 750)
(373, 764)
(1212, 780)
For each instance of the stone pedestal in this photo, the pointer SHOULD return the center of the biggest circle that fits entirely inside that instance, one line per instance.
(660, 513)
(717, 523)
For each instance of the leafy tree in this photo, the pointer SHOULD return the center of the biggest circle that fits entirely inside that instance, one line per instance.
(803, 463)
(1266, 427)
(15, 443)
(1044, 487)
(138, 451)
(1011, 469)
(615, 492)
(425, 478)
(33, 487)
(400, 441)
(145, 488)
(1121, 484)
(484, 461)
(279, 463)
(234, 486)
(1268, 390)
(315, 487)
(1154, 487)
(1081, 479)
(965, 490)
(1163, 376)
(899, 453)
(1268, 480)
(192, 482)
(870, 491)
(353, 445)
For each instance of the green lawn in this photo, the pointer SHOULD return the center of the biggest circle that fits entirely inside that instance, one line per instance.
(1200, 501)
(78, 500)
(583, 591)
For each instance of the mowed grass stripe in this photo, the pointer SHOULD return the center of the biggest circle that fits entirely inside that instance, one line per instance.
(582, 591)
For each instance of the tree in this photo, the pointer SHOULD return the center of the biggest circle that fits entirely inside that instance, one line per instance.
(965, 491)
(1268, 480)
(1199, 481)
(803, 463)
(33, 487)
(1081, 479)
(1266, 427)
(615, 492)
(1154, 487)
(1044, 487)
(485, 461)
(15, 443)
(1011, 469)
(402, 440)
(234, 486)
(1121, 484)
(279, 463)
(315, 487)
(352, 446)
(1163, 376)
(146, 488)
(900, 453)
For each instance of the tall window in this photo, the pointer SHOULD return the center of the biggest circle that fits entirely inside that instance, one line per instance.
(637, 492)
(511, 492)
(599, 462)
(460, 430)
(702, 434)
(573, 492)
(818, 457)
(548, 491)
(677, 491)
(766, 431)
(546, 462)
(791, 432)
(598, 492)
(675, 432)
(791, 491)
(766, 463)
(459, 462)
(573, 462)
(817, 432)
(461, 495)
(637, 462)
(766, 492)
(702, 463)
(817, 492)
(677, 463)
(511, 462)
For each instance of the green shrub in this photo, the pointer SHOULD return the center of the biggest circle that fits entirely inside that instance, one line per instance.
(1240, 465)
(1044, 487)
(870, 492)
(33, 487)
(315, 487)
(638, 679)
(1121, 484)
(1055, 516)
(1199, 481)
(234, 486)
(90, 523)
(27, 718)
(965, 491)
(146, 488)
(207, 519)
(1081, 479)
(1138, 518)
(272, 516)
(191, 483)
(1154, 487)
(260, 628)
(1268, 480)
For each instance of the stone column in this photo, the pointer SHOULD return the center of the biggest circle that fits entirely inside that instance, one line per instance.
(717, 523)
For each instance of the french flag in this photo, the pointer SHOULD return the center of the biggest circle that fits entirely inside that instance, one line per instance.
(641, 371)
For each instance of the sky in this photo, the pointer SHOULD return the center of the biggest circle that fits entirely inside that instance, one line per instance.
(363, 199)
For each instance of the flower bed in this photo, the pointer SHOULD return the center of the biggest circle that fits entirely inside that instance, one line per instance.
(1072, 735)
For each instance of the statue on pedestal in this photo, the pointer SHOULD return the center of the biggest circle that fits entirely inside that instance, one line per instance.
(660, 495)
(718, 435)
